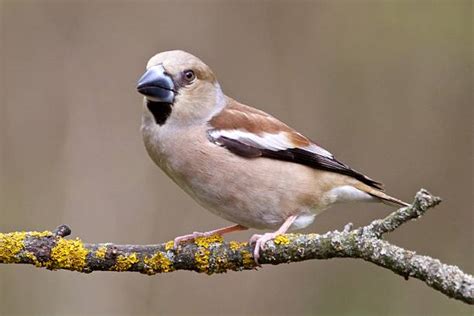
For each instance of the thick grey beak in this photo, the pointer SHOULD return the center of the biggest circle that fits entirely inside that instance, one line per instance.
(156, 86)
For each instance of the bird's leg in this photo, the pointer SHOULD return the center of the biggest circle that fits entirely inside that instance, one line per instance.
(260, 240)
(220, 231)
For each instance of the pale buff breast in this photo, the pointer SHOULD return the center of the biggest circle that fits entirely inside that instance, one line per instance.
(258, 193)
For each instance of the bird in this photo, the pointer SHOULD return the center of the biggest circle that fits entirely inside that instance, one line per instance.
(238, 162)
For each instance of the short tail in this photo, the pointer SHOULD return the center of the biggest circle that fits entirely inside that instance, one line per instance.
(380, 195)
(389, 200)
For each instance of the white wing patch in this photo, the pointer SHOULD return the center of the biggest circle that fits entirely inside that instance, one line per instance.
(318, 150)
(275, 142)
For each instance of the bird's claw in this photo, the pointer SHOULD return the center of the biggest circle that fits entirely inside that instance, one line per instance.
(260, 241)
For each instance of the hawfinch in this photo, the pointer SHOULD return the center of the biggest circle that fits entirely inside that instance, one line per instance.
(239, 162)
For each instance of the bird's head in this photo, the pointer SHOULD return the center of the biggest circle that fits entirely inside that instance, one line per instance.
(180, 89)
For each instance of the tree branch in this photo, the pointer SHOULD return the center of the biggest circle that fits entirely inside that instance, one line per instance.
(212, 255)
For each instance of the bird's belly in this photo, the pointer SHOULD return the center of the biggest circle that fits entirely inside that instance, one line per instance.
(231, 201)
(254, 192)
(250, 192)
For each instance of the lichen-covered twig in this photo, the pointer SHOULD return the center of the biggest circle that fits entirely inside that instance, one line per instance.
(213, 255)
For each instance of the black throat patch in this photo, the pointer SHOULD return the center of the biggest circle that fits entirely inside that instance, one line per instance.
(160, 110)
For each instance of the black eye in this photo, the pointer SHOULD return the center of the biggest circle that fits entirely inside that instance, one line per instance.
(189, 75)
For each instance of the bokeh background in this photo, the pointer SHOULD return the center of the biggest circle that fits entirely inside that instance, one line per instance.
(385, 85)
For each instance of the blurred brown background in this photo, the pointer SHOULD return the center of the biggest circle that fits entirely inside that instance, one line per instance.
(385, 85)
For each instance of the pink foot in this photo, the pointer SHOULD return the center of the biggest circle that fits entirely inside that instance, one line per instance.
(260, 241)
(220, 231)
(180, 239)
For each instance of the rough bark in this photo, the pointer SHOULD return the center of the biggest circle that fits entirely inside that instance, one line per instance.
(212, 255)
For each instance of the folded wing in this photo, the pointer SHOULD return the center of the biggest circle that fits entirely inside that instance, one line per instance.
(251, 133)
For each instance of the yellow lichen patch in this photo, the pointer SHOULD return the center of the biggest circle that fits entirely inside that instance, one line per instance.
(247, 259)
(234, 245)
(169, 245)
(281, 240)
(123, 263)
(10, 245)
(159, 263)
(33, 259)
(68, 254)
(101, 252)
(201, 257)
(45, 233)
(205, 241)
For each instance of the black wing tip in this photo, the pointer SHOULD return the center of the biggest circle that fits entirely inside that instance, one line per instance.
(359, 176)
(370, 182)
(334, 165)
